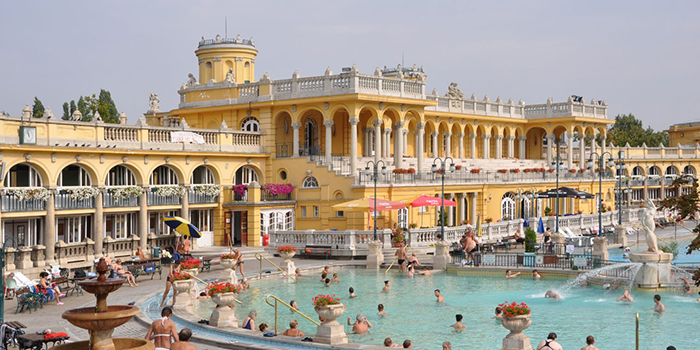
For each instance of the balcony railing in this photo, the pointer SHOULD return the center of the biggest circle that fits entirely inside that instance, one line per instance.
(109, 200)
(64, 201)
(195, 197)
(155, 199)
(462, 176)
(10, 203)
(264, 196)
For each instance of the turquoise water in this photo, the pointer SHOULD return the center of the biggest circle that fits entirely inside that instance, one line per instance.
(414, 314)
(681, 258)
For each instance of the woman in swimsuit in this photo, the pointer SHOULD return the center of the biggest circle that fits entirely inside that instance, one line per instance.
(239, 262)
(174, 268)
(249, 322)
(293, 331)
(124, 273)
(51, 291)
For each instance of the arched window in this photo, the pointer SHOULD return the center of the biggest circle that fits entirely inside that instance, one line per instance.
(654, 171)
(247, 64)
(74, 176)
(310, 182)
(526, 206)
(164, 175)
(120, 176)
(23, 175)
(245, 175)
(202, 175)
(689, 170)
(250, 124)
(507, 207)
(638, 171)
(671, 170)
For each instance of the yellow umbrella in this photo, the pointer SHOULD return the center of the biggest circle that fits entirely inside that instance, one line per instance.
(182, 226)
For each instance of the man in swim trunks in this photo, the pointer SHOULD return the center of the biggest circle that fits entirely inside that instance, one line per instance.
(163, 332)
(387, 287)
(184, 342)
(552, 294)
(626, 297)
(659, 307)
(361, 325)
(401, 257)
(438, 295)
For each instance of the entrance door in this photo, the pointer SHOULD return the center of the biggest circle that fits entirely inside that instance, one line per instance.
(311, 137)
(240, 228)
(403, 218)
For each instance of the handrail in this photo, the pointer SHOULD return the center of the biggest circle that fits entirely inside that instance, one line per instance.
(202, 281)
(288, 306)
(260, 257)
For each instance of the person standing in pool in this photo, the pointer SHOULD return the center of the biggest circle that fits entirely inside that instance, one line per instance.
(440, 298)
(352, 292)
(458, 326)
(335, 278)
(552, 294)
(536, 275)
(361, 325)
(387, 287)
(589, 343)
(174, 269)
(626, 297)
(388, 343)
(659, 307)
(550, 343)
(510, 274)
(380, 309)
(401, 256)
(686, 286)
(163, 331)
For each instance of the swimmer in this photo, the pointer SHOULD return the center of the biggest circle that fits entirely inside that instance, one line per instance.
(325, 271)
(328, 282)
(510, 274)
(387, 287)
(293, 304)
(552, 294)
(440, 298)
(202, 295)
(297, 272)
(361, 325)
(380, 309)
(626, 297)
(659, 307)
(335, 278)
(388, 343)
(352, 292)
(458, 326)
(536, 275)
(499, 314)
(686, 286)
(323, 277)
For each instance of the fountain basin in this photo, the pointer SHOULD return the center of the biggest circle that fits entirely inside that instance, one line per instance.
(119, 343)
(94, 286)
(655, 271)
(88, 317)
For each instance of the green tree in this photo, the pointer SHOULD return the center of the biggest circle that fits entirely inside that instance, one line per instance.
(685, 208)
(107, 107)
(530, 240)
(66, 111)
(84, 110)
(73, 107)
(38, 108)
(628, 129)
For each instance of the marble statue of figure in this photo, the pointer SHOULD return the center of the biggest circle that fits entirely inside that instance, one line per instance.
(454, 92)
(191, 80)
(239, 39)
(648, 225)
(154, 102)
(230, 77)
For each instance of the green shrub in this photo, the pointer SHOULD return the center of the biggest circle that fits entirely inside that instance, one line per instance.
(670, 248)
(530, 240)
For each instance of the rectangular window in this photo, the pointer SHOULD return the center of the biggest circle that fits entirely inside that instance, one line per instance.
(74, 229)
(203, 219)
(121, 226)
(340, 214)
(422, 209)
(303, 211)
(315, 211)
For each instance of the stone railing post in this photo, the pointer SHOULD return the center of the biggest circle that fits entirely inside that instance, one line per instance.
(10, 258)
(24, 258)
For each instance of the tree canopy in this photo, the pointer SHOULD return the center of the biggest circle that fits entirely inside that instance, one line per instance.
(38, 108)
(628, 129)
(88, 105)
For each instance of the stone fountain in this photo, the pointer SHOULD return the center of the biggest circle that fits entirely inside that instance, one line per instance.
(101, 320)
(656, 266)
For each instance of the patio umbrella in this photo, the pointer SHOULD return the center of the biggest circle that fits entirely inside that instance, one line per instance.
(478, 225)
(526, 223)
(540, 226)
(367, 204)
(428, 201)
(182, 226)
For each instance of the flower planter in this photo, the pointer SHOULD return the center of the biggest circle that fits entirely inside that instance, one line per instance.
(287, 255)
(223, 315)
(330, 331)
(516, 339)
(228, 263)
(192, 272)
(183, 299)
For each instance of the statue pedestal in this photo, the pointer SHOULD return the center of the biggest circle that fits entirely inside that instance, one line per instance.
(516, 339)
(442, 255)
(330, 331)
(655, 271)
(621, 233)
(288, 264)
(375, 258)
(600, 248)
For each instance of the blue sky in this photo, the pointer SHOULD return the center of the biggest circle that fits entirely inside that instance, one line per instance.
(640, 56)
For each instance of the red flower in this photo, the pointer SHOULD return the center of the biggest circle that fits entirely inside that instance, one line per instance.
(190, 263)
(286, 249)
(325, 300)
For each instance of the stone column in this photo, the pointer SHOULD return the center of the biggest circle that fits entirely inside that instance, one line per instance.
(550, 143)
(420, 152)
(377, 140)
(460, 209)
(602, 144)
(472, 220)
(570, 151)
(582, 153)
(486, 146)
(600, 248)
(405, 142)
(472, 146)
(460, 149)
(442, 255)
(398, 145)
(511, 146)
(521, 151)
(98, 226)
(434, 139)
(387, 142)
(375, 258)
(295, 139)
(329, 139)
(143, 219)
(499, 146)
(365, 141)
(353, 144)
(50, 229)
(448, 144)
(185, 211)
(450, 213)
(594, 145)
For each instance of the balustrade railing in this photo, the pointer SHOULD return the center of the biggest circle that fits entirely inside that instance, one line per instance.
(463, 176)
(64, 201)
(109, 200)
(10, 203)
(155, 199)
(195, 197)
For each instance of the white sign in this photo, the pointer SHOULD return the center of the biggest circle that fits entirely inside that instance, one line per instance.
(489, 259)
(580, 261)
(539, 260)
(186, 137)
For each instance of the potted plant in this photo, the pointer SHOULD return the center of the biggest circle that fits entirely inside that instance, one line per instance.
(516, 318)
(458, 167)
(475, 171)
(228, 260)
(223, 294)
(547, 211)
(502, 171)
(573, 171)
(397, 238)
(286, 252)
(411, 171)
(182, 283)
(412, 225)
(328, 307)
(488, 220)
(515, 170)
(191, 265)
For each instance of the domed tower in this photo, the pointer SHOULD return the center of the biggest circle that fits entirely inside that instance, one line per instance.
(218, 56)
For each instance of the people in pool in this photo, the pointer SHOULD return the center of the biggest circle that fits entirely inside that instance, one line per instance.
(293, 304)
(401, 257)
(361, 325)
(536, 275)
(324, 276)
(626, 297)
(351, 290)
(659, 307)
(387, 287)
(380, 309)
(686, 286)
(328, 282)
(249, 322)
(552, 294)
(458, 326)
(510, 274)
(440, 298)
(388, 343)
(550, 343)
(293, 331)
(499, 314)
(335, 278)
(589, 343)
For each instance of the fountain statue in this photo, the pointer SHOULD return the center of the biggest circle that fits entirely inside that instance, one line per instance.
(101, 320)
(656, 266)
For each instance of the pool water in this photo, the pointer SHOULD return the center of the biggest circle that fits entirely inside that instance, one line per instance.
(414, 314)
(681, 258)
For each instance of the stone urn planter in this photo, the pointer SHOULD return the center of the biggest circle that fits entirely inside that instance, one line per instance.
(183, 299)
(228, 263)
(287, 255)
(516, 339)
(288, 264)
(193, 272)
(330, 331)
(223, 315)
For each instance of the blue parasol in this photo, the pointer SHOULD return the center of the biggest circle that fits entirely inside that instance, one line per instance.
(526, 223)
(540, 227)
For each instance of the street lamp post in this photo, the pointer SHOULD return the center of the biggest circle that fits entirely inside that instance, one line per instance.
(375, 173)
(556, 206)
(443, 162)
(620, 167)
(601, 168)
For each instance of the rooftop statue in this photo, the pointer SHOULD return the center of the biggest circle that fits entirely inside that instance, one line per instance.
(154, 102)
(230, 77)
(453, 92)
(191, 80)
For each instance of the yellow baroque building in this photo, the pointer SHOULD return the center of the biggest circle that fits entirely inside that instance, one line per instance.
(73, 191)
